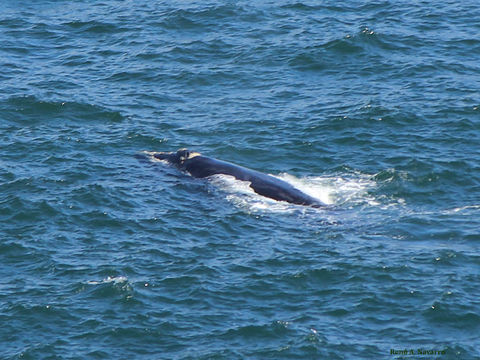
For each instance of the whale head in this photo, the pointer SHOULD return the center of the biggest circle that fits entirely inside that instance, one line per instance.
(177, 158)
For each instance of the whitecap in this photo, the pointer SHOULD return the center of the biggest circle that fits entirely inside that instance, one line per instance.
(109, 279)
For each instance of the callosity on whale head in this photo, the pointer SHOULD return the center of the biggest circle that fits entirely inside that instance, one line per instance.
(176, 158)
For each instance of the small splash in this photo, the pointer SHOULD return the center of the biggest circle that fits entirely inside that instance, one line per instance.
(109, 279)
(151, 156)
(463, 209)
(336, 190)
(367, 31)
(314, 186)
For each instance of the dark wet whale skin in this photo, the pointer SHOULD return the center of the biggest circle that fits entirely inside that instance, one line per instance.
(200, 166)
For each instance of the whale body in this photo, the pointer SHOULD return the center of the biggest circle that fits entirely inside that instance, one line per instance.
(200, 166)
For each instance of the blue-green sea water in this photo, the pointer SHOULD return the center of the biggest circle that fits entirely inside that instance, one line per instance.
(371, 106)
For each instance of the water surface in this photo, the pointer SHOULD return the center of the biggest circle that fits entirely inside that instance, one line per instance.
(373, 107)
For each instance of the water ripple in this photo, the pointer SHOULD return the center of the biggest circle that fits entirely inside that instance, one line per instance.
(370, 106)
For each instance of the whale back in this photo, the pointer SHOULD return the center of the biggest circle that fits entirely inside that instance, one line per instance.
(263, 184)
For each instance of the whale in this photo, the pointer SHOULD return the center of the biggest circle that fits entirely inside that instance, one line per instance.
(200, 166)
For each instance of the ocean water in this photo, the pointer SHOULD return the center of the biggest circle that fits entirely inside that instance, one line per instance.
(371, 106)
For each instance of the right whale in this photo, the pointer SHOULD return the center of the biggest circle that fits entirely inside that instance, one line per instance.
(200, 166)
